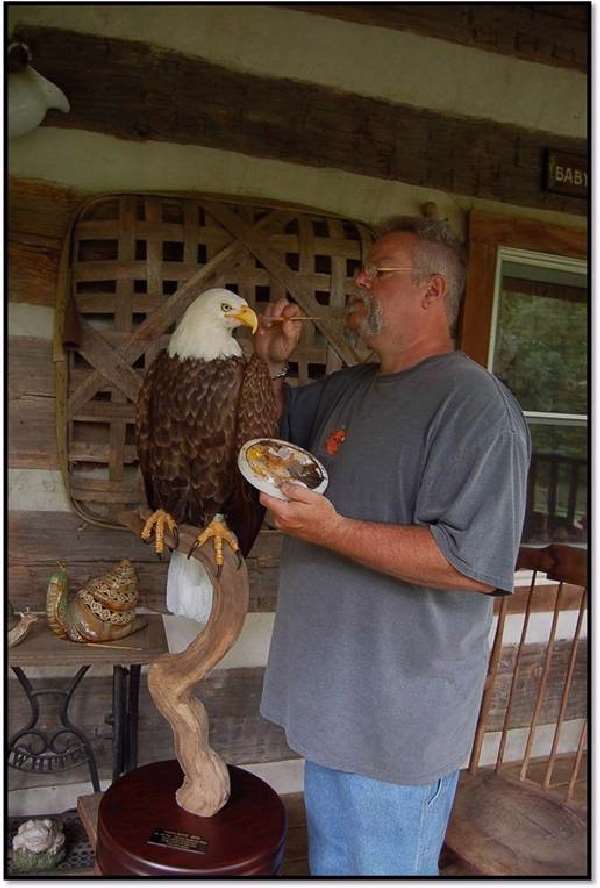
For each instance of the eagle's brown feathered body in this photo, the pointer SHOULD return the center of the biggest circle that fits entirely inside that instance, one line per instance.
(192, 418)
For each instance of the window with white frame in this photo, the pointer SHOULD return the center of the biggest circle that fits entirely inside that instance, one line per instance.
(539, 349)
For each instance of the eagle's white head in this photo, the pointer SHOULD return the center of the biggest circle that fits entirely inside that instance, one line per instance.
(206, 329)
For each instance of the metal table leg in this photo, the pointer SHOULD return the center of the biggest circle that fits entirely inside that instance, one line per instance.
(132, 717)
(119, 720)
(51, 756)
(126, 691)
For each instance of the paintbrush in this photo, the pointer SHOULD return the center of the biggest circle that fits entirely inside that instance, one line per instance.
(301, 318)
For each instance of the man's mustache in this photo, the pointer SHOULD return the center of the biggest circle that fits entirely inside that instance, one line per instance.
(358, 299)
(369, 324)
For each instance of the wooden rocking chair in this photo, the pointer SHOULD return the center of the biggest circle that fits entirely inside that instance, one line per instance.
(513, 820)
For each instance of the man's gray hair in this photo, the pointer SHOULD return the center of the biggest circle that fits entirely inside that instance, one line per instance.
(437, 251)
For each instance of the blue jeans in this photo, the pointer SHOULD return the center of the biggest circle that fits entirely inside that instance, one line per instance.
(358, 826)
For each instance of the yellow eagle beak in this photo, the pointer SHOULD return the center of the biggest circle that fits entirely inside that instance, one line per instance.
(246, 316)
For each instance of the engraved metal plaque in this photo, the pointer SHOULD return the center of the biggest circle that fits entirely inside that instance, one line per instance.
(180, 840)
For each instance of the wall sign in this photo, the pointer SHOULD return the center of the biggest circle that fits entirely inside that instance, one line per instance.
(567, 173)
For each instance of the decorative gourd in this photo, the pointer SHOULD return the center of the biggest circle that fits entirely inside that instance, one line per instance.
(103, 610)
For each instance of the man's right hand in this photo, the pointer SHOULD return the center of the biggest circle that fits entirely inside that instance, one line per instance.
(274, 342)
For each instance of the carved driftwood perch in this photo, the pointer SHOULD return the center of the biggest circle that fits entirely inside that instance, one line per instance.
(171, 677)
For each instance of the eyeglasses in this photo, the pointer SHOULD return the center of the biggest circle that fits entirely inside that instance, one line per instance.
(377, 271)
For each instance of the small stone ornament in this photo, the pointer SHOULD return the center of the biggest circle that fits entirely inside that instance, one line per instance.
(38, 845)
(103, 610)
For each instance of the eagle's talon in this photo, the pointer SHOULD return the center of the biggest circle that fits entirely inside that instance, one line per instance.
(218, 531)
(155, 524)
(196, 545)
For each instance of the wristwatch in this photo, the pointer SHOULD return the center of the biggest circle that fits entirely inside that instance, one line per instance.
(281, 373)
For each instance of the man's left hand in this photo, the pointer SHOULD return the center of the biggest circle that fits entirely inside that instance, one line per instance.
(307, 515)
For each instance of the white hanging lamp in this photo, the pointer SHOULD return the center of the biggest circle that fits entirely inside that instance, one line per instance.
(29, 94)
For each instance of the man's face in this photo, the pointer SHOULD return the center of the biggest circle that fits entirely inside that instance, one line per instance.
(386, 303)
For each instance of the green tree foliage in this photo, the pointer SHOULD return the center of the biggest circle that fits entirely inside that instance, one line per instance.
(541, 352)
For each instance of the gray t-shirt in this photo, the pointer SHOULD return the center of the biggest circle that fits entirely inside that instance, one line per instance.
(367, 673)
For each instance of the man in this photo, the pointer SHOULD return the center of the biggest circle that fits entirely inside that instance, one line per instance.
(380, 644)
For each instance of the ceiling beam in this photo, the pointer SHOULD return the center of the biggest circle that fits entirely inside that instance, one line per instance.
(138, 92)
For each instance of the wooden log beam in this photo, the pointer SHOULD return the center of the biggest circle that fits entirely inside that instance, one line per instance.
(31, 562)
(48, 537)
(31, 435)
(29, 367)
(54, 536)
(37, 540)
(238, 732)
(530, 666)
(42, 209)
(38, 220)
(28, 583)
(32, 270)
(543, 599)
(555, 34)
(147, 93)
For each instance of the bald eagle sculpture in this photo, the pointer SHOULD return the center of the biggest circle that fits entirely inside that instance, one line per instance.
(201, 399)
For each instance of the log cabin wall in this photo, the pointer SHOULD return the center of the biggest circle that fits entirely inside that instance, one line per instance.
(348, 109)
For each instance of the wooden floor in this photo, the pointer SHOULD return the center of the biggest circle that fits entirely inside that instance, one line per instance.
(295, 861)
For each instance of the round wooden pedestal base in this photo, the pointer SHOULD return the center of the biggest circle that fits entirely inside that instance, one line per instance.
(245, 838)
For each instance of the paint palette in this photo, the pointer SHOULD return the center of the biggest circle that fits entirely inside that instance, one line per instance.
(267, 462)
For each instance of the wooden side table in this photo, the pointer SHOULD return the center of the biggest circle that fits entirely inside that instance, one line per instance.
(126, 656)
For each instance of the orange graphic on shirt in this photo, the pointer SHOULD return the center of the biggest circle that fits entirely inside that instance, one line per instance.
(334, 441)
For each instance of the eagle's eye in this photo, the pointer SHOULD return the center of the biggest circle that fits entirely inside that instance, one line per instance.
(225, 307)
